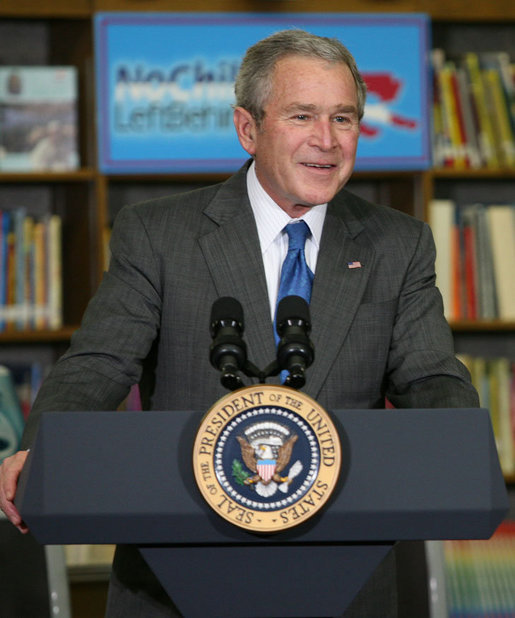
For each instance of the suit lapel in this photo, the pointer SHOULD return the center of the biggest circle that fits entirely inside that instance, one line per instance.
(232, 253)
(337, 289)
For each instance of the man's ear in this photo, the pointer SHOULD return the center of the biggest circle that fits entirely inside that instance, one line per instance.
(246, 129)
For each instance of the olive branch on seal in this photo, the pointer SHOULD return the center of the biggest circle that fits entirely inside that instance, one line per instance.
(239, 474)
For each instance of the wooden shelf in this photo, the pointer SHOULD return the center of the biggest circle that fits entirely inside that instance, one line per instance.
(472, 174)
(82, 175)
(38, 336)
(55, 8)
(482, 325)
(440, 10)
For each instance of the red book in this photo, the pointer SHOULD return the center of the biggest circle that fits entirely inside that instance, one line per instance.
(470, 267)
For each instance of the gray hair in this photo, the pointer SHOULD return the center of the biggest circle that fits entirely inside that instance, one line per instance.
(254, 80)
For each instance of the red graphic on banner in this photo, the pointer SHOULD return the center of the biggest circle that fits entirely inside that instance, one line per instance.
(384, 89)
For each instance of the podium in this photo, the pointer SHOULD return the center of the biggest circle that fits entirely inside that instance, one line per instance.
(127, 477)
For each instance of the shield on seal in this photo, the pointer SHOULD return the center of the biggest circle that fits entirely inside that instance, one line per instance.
(266, 469)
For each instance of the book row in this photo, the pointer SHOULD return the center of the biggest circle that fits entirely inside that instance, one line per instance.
(30, 271)
(479, 575)
(475, 247)
(494, 380)
(473, 110)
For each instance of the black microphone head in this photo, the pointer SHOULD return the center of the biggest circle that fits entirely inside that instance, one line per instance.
(226, 308)
(293, 308)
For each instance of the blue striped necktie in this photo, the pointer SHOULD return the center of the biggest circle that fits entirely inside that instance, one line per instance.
(296, 276)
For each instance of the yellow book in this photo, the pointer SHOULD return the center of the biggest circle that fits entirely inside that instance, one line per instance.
(54, 273)
(501, 223)
(486, 131)
(500, 117)
(447, 77)
(441, 220)
(506, 453)
(40, 313)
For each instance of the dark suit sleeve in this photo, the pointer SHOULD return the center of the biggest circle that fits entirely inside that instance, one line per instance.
(422, 368)
(120, 324)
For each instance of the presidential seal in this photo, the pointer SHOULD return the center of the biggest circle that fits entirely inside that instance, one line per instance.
(266, 458)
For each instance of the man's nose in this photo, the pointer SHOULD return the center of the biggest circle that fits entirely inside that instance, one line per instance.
(324, 136)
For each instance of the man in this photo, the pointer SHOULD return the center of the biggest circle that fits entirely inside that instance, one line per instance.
(378, 328)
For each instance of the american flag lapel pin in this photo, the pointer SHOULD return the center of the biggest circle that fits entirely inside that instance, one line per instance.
(353, 264)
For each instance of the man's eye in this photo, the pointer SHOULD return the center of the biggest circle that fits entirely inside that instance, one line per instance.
(301, 117)
(345, 121)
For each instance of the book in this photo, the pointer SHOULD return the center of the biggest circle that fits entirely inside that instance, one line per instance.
(5, 223)
(441, 221)
(38, 118)
(501, 220)
(458, 267)
(486, 289)
(486, 132)
(39, 273)
(54, 282)
(470, 263)
(502, 368)
(442, 148)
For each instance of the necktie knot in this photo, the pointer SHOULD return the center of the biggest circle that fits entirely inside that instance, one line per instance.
(297, 234)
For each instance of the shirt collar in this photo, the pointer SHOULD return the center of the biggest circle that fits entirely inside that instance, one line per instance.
(271, 218)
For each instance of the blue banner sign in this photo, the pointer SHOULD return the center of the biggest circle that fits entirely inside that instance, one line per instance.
(165, 87)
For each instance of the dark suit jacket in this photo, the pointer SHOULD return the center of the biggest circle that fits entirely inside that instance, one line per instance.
(378, 330)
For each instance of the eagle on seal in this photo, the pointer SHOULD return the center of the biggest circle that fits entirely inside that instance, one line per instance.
(262, 462)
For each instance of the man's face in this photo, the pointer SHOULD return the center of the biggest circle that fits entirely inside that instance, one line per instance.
(305, 148)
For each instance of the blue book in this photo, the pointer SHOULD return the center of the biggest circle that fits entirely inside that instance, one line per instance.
(5, 224)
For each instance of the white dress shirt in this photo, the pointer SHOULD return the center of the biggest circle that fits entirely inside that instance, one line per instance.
(271, 220)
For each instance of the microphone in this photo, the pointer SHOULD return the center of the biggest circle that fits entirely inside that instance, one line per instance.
(228, 351)
(295, 351)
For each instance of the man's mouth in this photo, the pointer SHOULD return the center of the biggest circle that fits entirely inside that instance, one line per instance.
(319, 165)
